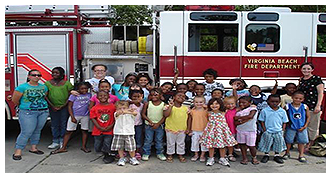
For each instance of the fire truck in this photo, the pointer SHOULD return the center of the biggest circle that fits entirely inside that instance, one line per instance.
(258, 46)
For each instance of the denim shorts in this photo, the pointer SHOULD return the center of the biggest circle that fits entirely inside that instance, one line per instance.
(290, 134)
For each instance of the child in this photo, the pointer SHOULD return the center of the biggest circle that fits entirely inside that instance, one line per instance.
(124, 133)
(166, 89)
(176, 127)
(231, 110)
(299, 117)
(190, 84)
(199, 90)
(238, 88)
(217, 93)
(105, 86)
(210, 75)
(102, 116)
(290, 88)
(197, 121)
(245, 120)
(136, 97)
(273, 120)
(153, 115)
(57, 98)
(121, 90)
(145, 82)
(78, 107)
(182, 88)
(217, 133)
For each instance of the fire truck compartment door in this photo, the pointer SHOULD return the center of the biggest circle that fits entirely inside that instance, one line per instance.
(41, 52)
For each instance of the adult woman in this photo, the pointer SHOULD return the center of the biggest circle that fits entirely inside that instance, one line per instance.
(57, 98)
(33, 113)
(99, 71)
(121, 90)
(312, 86)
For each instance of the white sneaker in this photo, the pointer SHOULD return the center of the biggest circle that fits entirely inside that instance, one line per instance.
(210, 162)
(121, 162)
(134, 161)
(53, 146)
(61, 144)
(224, 162)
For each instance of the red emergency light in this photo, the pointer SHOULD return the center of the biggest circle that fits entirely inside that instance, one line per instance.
(269, 74)
(209, 7)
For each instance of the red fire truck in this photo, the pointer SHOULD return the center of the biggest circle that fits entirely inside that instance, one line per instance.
(258, 46)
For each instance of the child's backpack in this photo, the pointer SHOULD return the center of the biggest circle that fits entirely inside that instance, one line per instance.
(319, 146)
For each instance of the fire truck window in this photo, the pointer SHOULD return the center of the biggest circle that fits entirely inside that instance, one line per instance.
(322, 18)
(118, 32)
(213, 16)
(262, 38)
(321, 39)
(258, 16)
(213, 38)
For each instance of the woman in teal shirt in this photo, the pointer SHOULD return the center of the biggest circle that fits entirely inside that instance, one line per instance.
(33, 113)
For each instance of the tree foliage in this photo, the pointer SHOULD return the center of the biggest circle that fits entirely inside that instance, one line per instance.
(131, 14)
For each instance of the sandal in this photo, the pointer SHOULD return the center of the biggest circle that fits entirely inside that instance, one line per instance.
(86, 150)
(232, 158)
(244, 162)
(302, 159)
(38, 152)
(58, 151)
(17, 157)
(182, 159)
(255, 161)
(195, 158)
(170, 159)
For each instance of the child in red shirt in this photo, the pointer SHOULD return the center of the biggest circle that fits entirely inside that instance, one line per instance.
(102, 116)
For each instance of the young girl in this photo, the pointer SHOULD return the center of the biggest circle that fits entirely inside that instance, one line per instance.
(137, 87)
(231, 110)
(217, 133)
(182, 88)
(153, 115)
(145, 82)
(176, 127)
(245, 120)
(78, 107)
(238, 88)
(121, 90)
(124, 133)
(197, 121)
(166, 89)
(199, 90)
(102, 116)
(105, 86)
(136, 97)
(59, 91)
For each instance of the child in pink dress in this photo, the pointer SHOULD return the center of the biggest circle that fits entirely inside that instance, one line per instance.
(217, 133)
(105, 86)
(231, 110)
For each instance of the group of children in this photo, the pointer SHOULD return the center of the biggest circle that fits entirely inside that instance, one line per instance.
(140, 115)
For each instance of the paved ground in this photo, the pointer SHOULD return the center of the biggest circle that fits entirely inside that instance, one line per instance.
(76, 161)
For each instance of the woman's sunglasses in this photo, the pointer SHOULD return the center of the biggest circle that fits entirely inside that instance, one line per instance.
(35, 75)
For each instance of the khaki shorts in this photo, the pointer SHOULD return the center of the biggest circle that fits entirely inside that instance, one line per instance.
(314, 125)
(83, 120)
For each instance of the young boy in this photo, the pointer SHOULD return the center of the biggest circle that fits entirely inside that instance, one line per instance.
(102, 116)
(299, 117)
(124, 133)
(290, 88)
(210, 75)
(273, 120)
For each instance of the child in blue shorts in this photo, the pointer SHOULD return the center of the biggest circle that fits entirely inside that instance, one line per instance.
(273, 120)
(298, 114)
